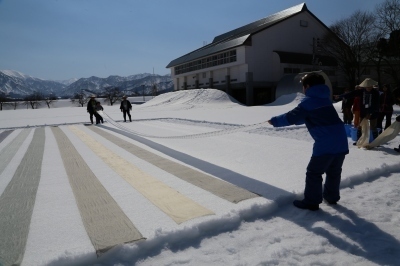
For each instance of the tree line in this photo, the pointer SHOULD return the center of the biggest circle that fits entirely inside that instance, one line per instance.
(367, 41)
(110, 95)
(33, 100)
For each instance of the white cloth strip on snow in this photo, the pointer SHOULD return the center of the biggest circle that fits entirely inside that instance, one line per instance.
(190, 136)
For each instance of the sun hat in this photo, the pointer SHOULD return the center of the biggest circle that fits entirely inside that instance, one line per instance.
(367, 83)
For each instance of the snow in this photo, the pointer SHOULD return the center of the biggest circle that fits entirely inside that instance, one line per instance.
(207, 130)
(16, 74)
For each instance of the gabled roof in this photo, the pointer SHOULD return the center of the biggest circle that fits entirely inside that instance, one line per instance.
(238, 37)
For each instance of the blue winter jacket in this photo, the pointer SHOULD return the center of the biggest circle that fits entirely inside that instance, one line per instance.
(322, 121)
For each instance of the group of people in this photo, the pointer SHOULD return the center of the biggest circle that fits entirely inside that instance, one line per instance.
(94, 107)
(366, 101)
(317, 112)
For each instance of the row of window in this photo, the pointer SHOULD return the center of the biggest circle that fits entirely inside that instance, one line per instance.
(214, 60)
(290, 70)
(215, 82)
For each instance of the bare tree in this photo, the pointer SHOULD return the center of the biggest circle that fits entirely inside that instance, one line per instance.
(112, 94)
(388, 16)
(3, 100)
(349, 42)
(49, 100)
(388, 21)
(14, 104)
(80, 99)
(34, 100)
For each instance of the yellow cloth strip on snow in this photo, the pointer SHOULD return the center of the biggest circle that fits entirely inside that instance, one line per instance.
(105, 222)
(170, 201)
(220, 188)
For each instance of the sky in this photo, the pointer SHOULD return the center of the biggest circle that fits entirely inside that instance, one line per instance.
(72, 175)
(64, 39)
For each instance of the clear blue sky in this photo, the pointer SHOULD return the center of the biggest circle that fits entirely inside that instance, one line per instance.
(62, 39)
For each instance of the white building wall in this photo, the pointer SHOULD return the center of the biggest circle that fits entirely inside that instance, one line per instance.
(218, 73)
(259, 58)
(286, 36)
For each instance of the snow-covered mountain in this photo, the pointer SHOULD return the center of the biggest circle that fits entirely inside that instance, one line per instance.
(67, 81)
(14, 84)
(131, 85)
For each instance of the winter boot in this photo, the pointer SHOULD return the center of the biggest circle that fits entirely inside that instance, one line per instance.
(397, 149)
(331, 202)
(302, 205)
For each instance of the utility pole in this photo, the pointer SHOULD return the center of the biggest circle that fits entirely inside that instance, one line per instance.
(154, 87)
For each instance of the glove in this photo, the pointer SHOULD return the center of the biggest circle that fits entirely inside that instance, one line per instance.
(398, 118)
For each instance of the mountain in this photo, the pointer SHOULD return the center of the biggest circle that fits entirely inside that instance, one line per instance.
(14, 84)
(131, 85)
(67, 81)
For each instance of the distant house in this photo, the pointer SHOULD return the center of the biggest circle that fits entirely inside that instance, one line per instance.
(248, 62)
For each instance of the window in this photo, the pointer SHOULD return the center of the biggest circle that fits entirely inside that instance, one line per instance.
(214, 60)
(289, 70)
(303, 23)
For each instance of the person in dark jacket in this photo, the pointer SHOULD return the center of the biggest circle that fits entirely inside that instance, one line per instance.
(91, 107)
(356, 109)
(125, 107)
(386, 102)
(346, 109)
(369, 104)
(330, 147)
(99, 118)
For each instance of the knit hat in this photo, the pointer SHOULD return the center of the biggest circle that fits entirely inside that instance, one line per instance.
(368, 83)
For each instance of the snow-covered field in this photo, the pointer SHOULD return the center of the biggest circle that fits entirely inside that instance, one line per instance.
(194, 179)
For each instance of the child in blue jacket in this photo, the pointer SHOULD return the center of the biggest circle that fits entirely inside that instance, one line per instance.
(330, 147)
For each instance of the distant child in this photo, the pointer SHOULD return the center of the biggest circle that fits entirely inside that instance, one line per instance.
(330, 147)
(98, 108)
